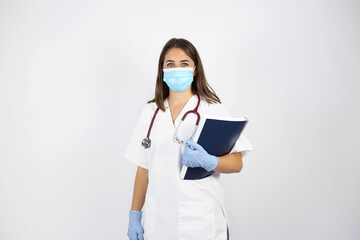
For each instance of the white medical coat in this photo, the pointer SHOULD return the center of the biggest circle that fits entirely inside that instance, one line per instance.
(178, 209)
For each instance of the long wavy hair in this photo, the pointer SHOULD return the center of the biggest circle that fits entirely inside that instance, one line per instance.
(199, 84)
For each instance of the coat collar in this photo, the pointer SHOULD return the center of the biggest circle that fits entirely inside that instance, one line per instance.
(190, 105)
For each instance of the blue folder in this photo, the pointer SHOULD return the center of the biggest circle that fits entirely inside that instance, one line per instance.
(217, 135)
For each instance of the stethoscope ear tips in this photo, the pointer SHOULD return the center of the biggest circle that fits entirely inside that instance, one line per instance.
(146, 143)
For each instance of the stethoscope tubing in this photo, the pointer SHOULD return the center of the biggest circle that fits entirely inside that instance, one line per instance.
(147, 142)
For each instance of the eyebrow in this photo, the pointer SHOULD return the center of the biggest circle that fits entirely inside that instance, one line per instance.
(174, 61)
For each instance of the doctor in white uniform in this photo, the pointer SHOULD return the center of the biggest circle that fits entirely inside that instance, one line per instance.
(164, 207)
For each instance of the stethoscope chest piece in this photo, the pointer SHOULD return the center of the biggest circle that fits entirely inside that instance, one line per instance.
(146, 143)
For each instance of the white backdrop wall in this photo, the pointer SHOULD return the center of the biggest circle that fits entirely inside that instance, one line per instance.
(75, 74)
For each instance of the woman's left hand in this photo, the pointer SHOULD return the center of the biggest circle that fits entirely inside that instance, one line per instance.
(198, 157)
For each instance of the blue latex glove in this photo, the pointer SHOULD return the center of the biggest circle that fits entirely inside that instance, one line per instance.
(135, 230)
(198, 157)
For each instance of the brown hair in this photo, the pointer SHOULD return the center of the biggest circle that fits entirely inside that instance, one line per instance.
(199, 84)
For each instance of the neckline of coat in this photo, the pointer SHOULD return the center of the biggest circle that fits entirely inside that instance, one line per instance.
(188, 106)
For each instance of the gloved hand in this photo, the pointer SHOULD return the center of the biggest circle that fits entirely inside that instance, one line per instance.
(135, 230)
(198, 157)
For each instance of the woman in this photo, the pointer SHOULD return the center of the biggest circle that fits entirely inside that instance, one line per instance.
(178, 209)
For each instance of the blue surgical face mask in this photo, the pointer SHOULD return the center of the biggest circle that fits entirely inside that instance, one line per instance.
(178, 79)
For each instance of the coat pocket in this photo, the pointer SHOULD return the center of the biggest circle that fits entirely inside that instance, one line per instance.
(196, 220)
(149, 216)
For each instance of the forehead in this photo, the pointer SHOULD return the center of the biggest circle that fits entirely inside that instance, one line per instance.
(176, 54)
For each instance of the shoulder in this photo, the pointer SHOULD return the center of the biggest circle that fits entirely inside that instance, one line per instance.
(214, 108)
(148, 110)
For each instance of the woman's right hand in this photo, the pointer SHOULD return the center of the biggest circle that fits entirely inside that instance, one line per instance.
(135, 230)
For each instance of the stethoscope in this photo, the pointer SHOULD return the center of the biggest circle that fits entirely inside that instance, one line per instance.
(146, 142)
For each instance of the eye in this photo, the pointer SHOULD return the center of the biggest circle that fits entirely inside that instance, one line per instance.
(186, 64)
(168, 64)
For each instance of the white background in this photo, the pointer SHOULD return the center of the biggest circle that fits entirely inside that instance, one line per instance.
(75, 74)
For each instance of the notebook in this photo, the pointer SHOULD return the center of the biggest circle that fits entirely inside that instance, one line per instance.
(217, 135)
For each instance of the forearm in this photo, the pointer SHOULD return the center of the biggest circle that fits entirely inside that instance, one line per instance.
(140, 187)
(230, 163)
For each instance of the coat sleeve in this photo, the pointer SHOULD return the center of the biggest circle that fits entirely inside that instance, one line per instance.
(135, 152)
(242, 144)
